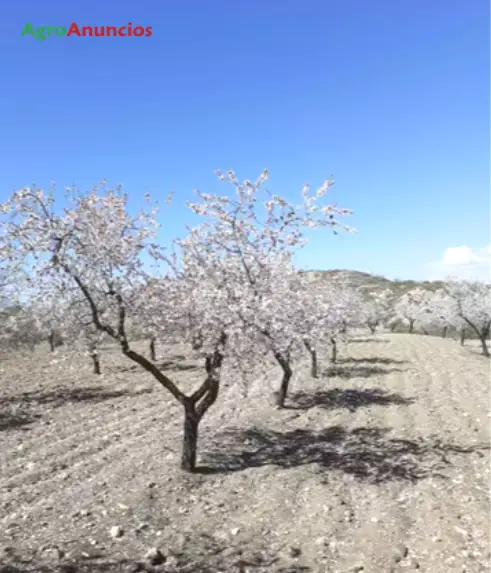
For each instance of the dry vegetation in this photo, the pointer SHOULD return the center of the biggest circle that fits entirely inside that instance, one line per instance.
(381, 465)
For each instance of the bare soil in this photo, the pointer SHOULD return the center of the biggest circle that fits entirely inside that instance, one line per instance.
(380, 465)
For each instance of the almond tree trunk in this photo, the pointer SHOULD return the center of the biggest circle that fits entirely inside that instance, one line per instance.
(285, 381)
(51, 340)
(153, 354)
(462, 337)
(484, 346)
(334, 351)
(313, 360)
(196, 406)
(483, 334)
(95, 359)
(190, 441)
(411, 325)
(444, 332)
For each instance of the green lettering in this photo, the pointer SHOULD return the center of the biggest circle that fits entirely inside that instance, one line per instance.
(40, 33)
(28, 29)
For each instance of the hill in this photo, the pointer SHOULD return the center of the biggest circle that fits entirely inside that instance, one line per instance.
(367, 283)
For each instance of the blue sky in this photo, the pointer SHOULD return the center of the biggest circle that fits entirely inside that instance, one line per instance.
(392, 97)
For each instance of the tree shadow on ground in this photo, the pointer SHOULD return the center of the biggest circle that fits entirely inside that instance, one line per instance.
(174, 363)
(372, 360)
(12, 421)
(205, 556)
(178, 366)
(72, 567)
(63, 394)
(125, 368)
(357, 371)
(371, 340)
(352, 399)
(369, 454)
(127, 567)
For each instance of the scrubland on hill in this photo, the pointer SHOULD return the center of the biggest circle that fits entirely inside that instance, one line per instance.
(380, 465)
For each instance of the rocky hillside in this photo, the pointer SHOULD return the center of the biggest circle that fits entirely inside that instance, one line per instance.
(367, 283)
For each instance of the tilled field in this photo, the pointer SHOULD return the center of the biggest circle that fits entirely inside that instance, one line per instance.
(380, 465)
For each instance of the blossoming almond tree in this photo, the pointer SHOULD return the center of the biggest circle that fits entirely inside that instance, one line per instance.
(17, 328)
(277, 320)
(473, 306)
(96, 246)
(442, 313)
(51, 318)
(266, 320)
(346, 310)
(328, 309)
(80, 332)
(314, 319)
(377, 310)
(250, 240)
(413, 306)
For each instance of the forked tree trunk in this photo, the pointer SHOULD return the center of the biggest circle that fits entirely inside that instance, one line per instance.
(334, 351)
(411, 325)
(313, 360)
(153, 354)
(444, 332)
(195, 407)
(372, 328)
(285, 381)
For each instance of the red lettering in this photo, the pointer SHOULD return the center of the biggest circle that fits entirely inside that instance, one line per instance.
(108, 31)
(86, 31)
(138, 31)
(130, 29)
(73, 30)
(148, 31)
(121, 31)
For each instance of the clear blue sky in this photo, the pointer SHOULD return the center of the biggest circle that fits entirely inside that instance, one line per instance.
(392, 97)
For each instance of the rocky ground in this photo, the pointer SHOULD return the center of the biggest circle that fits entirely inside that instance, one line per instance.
(380, 465)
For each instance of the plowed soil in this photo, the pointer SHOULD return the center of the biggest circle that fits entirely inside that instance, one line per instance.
(380, 465)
